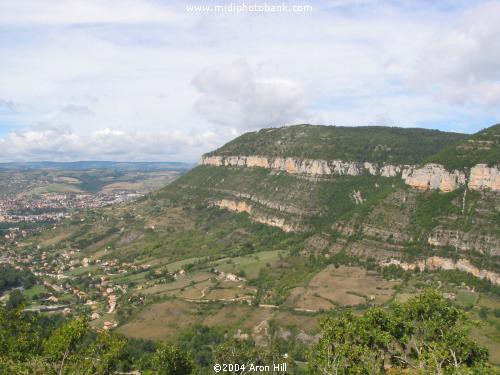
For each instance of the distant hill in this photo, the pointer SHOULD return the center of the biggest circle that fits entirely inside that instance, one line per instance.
(81, 165)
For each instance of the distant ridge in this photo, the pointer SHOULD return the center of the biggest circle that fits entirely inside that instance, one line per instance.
(80, 165)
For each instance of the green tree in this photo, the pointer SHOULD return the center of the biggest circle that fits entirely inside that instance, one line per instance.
(63, 344)
(16, 299)
(437, 333)
(428, 334)
(105, 353)
(20, 334)
(170, 360)
(351, 345)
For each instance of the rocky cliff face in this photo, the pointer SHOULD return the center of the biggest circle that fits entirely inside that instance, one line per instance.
(433, 176)
(236, 206)
(313, 167)
(486, 244)
(243, 206)
(435, 262)
(430, 176)
(484, 177)
(385, 234)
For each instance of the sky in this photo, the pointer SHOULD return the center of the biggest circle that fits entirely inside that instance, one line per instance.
(138, 80)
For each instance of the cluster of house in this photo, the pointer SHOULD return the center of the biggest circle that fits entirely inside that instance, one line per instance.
(55, 273)
(55, 207)
(223, 276)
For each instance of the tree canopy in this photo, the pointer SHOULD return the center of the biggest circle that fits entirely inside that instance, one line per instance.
(427, 334)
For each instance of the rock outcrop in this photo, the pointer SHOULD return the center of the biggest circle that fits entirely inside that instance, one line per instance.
(390, 170)
(216, 161)
(313, 167)
(427, 177)
(236, 206)
(463, 241)
(243, 206)
(435, 263)
(484, 177)
(433, 176)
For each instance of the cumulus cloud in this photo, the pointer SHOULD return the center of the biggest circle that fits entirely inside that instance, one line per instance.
(62, 144)
(231, 96)
(461, 64)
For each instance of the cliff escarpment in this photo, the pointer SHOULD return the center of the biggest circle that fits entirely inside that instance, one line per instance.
(260, 217)
(428, 176)
(379, 193)
(437, 263)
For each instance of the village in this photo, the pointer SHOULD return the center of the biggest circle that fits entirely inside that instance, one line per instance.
(48, 207)
(71, 283)
(60, 289)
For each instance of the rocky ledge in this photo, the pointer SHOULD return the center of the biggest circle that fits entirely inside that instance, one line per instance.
(429, 176)
(484, 177)
(243, 206)
(435, 262)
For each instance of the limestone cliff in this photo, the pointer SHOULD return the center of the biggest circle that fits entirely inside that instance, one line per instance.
(313, 167)
(429, 176)
(484, 177)
(215, 161)
(435, 262)
(486, 244)
(433, 176)
(236, 206)
(243, 206)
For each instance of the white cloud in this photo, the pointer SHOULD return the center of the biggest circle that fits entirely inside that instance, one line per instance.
(461, 63)
(70, 12)
(146, 79)
(231, 96)
(61, 144)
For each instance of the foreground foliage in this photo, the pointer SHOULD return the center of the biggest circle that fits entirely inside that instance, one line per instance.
(426, 335)
(11, 277)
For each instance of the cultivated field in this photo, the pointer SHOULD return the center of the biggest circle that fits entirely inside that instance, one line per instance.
(162, 321)
(343, 286)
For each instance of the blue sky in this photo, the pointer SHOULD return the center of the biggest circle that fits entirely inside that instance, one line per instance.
(148, 80)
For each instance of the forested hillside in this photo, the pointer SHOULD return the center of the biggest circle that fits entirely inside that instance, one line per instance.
(482, 147)
(359, 143)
